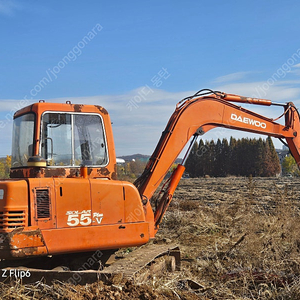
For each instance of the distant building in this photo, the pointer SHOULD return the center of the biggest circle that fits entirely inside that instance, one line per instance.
(120, 161)
(282, 154)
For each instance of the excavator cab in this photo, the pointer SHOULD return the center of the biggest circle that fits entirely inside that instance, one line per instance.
(63, 195)
(62, 136)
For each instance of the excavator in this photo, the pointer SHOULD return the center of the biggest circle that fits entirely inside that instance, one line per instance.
(63, 195)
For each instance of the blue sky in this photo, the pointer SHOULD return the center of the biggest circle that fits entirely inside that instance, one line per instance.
(139, 58)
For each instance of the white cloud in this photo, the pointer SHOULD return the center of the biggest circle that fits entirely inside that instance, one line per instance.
(296, 70)
(135, 130)
(9, 7)
(280, 91)
(231, 77)
(138, 130)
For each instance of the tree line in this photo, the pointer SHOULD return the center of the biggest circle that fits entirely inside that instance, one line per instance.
(238, 157)
(5, 165)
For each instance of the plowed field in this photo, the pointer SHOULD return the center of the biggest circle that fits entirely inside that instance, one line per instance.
(239, 238)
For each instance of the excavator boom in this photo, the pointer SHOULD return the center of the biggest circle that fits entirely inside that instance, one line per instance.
(197, 115)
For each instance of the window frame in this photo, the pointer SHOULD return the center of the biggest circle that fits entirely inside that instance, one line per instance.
(72, 114)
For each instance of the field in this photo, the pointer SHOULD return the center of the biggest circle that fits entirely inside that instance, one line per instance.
(239, 238)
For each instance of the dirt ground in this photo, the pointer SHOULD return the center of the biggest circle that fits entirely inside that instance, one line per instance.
(239, 239)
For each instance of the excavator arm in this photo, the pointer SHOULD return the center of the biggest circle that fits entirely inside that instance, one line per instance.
(195, 116)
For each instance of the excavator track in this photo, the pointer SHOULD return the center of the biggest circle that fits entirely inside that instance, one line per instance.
(137, 266)
(132, 264)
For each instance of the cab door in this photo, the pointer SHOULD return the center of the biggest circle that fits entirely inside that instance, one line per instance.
(73, 202)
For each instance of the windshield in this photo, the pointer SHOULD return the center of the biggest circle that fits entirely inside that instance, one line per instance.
(73, 139)
(22, 141)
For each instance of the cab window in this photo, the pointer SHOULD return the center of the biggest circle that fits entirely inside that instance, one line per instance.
(73, 139)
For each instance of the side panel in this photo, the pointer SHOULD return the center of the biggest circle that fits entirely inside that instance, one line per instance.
(105, 216)
(107, 201)
(117, 220)
(73, 202)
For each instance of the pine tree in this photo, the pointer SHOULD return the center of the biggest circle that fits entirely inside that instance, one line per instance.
(206, 159)
(191, 163)
(219, 167)
(212, 158)
(243, 156)
(274, 159)
(201, 153)
(259, 158)
(267, 163)
(225, 164)
(233, 168)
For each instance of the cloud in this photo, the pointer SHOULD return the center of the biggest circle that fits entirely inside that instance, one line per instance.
(231, 77)
(135, 130)
(280, 91)
(296, 70)
(138, 129)
(9, 7)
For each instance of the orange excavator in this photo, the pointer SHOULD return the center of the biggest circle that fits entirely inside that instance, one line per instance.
(63, 195)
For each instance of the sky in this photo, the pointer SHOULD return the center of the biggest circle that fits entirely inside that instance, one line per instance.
(139, 58)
